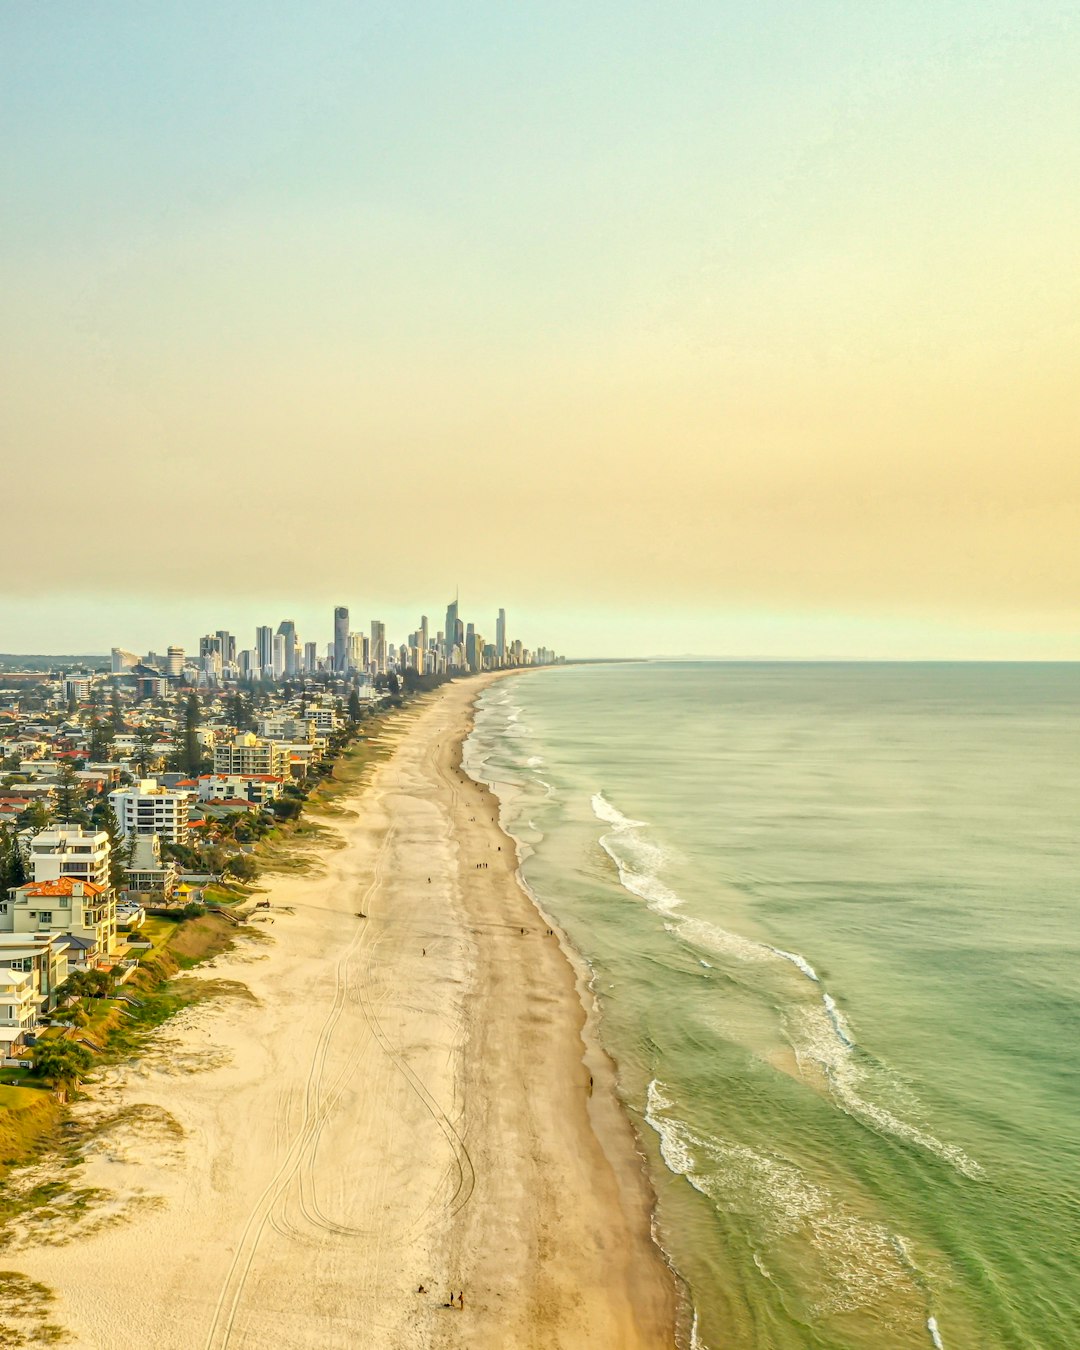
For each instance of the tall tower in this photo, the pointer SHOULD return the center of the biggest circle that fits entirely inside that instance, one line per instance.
(451, 625)
(264, 647)
(500, 638)
(423, 632)
(341, 639)
(287, 630)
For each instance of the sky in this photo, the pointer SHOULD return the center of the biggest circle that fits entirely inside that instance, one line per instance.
(739, 328)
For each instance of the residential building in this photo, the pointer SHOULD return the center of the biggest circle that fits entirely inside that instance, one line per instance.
(70, 851)
(44, 956)
(500, 637)
(280, 657)
(258, 789)
(84, 911)
(147, 808)
(311, 658)
(19, 1007)
(174, 663)
(148, 871)
(249, 754)
(77, 688)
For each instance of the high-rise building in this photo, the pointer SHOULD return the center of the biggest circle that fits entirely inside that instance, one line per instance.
(356, 651)
(311, 658)
(228, 646)
(378, 644)
(264, 647)
(122, 660)
(174, 663)
(471, 659)
(341, 638)
(500, 637)
(279, 656)
(287, 630)
(451, 624)
(423, 632)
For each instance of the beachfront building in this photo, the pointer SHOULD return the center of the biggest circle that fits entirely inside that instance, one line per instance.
(147, 808)
(251, 754)
(148, 871)
(82, 910)
(19, 1008)
(44, 956)
(72, 852)
(256, 789)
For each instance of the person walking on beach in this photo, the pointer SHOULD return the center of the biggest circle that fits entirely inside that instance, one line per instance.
(461, 1299)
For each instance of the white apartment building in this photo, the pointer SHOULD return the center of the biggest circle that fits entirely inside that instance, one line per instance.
(255, 788)
(72, 852)
(43, 956)
(146, 808)
(19, 1005)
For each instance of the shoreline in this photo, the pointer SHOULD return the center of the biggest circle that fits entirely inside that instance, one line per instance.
(611, 1120)
(399, 1105)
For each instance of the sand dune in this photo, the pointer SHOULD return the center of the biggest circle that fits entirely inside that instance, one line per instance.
(405, 1105)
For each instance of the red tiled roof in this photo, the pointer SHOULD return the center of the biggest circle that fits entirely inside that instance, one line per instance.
(63, 886)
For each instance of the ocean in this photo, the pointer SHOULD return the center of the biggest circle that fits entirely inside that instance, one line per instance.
(832, 915)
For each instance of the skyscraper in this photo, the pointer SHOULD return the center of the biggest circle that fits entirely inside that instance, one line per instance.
(423, 632)
(341, 639)
(378, 644)
(264, 646)
(500, 637)
(287, 630)
(451, 626)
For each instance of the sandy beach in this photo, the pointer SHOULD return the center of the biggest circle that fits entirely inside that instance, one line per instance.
(404, 1102)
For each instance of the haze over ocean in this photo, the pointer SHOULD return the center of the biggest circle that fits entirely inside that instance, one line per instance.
(831, 915)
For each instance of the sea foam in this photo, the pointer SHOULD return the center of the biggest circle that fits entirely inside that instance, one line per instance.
(824, 1035)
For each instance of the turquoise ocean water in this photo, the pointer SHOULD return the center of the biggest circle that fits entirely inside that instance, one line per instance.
(833, 918)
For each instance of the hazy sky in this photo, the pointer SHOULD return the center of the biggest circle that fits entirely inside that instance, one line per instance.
(736, 327)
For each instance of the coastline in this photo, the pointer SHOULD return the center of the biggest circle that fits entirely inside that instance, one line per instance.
(404, 1104)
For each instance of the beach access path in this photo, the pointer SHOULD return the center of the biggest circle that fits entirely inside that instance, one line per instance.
(406, 1105)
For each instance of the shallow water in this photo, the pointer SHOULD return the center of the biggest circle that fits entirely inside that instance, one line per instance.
(832, 916)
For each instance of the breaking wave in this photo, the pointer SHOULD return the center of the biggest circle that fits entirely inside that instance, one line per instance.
(820, 1033)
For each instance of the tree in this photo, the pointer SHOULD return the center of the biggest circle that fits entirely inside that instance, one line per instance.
(69, 795)
(12, 862)
(146, 737)
(242, 867)
(191, 752)
(100, 739)
(116, 715)
(61, 1062)
(354, 707)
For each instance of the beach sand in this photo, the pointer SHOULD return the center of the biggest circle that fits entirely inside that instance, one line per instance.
(407, 1104)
